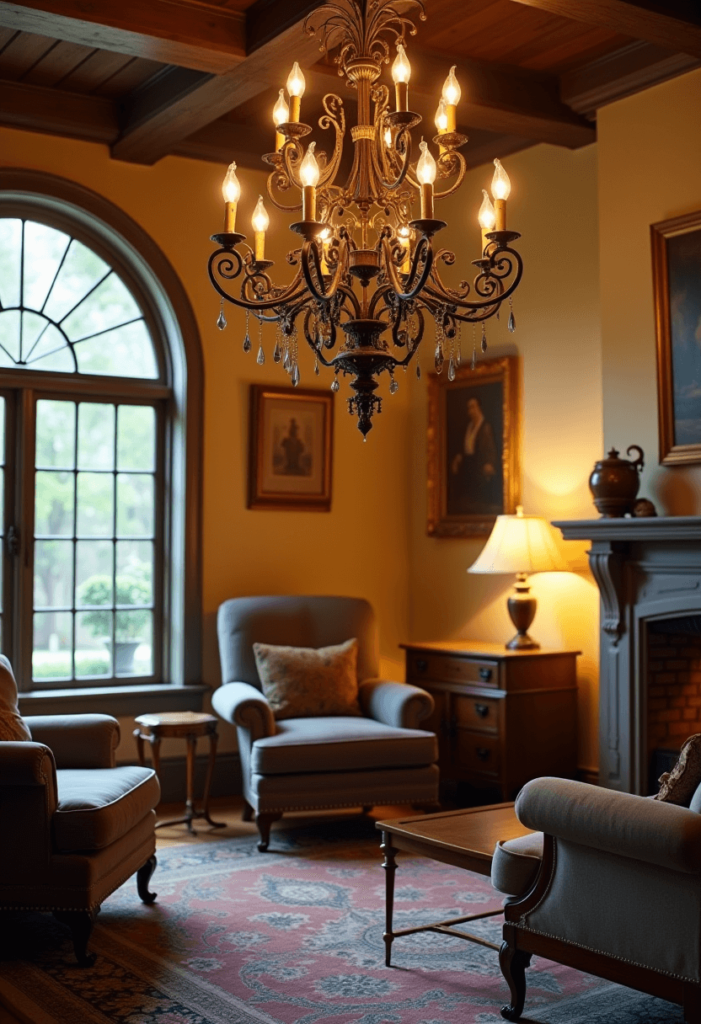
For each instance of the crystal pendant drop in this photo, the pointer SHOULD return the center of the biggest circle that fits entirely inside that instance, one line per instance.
(286, 360)
(394, 387)
(276, 352)
(474, 358)
(260, 358)
(335, 385)
(316, 367)
(438, 359)
(295, 375)
(484, 340)
(458, 356)
(451, 369)
(221, 320)
(418, 372)
(512, 323)
(247, 343)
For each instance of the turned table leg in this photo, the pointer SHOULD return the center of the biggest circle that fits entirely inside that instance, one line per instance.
(390, 865)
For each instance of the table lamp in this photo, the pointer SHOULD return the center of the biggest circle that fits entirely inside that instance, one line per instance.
(522, 545)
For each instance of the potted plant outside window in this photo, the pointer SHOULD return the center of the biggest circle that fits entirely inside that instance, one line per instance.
(131, 589)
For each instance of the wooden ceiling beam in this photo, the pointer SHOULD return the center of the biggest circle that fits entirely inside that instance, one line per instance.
(37, 108)
(673, 24)
(189, 35)
(622, 73)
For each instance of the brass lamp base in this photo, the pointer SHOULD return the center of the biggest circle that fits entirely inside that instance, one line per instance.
(522, 609)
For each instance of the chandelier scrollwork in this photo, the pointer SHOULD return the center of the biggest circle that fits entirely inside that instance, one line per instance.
(366, 274)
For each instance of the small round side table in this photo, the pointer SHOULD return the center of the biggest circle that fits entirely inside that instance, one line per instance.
(188, 725)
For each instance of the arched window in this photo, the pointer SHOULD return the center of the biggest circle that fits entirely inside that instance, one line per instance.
(100, 372)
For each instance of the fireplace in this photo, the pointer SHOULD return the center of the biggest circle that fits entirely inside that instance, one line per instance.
(649, 577)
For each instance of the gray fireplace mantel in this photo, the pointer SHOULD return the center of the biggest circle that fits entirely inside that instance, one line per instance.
(647, 569)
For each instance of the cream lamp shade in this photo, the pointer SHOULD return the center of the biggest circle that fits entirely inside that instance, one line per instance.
(522, 545)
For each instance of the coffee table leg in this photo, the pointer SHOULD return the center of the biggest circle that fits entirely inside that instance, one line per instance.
(390, 866)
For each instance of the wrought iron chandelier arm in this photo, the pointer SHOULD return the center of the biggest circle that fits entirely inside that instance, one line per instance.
(310, 257)
(333, 118)
(403, 171)
(422, 246)
(230, 268)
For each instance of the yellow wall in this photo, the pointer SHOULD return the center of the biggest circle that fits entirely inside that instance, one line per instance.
(649, 170)
(554, 206)
(361, 546)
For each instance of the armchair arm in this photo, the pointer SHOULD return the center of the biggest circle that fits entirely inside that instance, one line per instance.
(246, 707)
(396, 704)
(26, 764)
(619, 823)
(77, 741)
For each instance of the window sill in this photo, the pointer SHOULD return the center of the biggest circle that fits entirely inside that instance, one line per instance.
(120, 701)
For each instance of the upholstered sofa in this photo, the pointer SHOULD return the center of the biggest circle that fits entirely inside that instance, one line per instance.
(313, 763)
(608, 883)
(74, 827)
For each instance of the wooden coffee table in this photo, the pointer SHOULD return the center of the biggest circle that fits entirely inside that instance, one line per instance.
(464, 838)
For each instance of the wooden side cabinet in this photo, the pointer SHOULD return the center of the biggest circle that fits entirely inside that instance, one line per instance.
(502, 717)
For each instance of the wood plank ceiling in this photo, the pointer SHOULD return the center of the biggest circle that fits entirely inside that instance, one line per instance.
(199, 78)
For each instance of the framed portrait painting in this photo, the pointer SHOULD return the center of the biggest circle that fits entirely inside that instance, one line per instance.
(676, 266)
(472, 448)
(290, 448)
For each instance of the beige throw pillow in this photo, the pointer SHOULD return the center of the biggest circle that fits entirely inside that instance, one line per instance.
(12, 725)
(305, 682)
(679, 785)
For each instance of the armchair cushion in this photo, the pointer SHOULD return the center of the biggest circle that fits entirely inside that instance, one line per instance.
(12, 726)
(302, 681)
(99, 806)
(340, 744)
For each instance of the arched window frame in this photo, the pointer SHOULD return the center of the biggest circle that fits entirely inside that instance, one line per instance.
(119, 240)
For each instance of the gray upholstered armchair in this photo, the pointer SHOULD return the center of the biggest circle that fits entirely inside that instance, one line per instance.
(611, 885)
(74, 827)
(315, 763)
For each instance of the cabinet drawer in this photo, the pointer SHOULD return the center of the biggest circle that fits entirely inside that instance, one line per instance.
(478, 753)
(479, 713)
(451, 669)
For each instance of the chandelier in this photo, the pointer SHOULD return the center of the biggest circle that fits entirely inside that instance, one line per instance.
(367, 274)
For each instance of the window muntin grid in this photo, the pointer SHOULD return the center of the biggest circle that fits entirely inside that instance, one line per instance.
(96, 541)
(64, 309)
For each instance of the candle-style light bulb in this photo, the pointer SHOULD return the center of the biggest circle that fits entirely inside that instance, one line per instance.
(309, 174)
(401, 73)
(501, 188)
(295, 88)
(426, 168)
(231, 191)
(441, 119)
(388, 138)
(281, 115)
(451, 89)
(487, 217)
(426, 174)
(260, 222)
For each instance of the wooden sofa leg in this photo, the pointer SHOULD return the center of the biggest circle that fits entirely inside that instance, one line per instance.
(247, 812)
(692, 1004)
(513, 963)
(143, 876)
(81, 924)
(264, 821)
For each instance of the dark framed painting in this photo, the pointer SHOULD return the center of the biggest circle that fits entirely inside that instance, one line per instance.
(290, 448)
(473, 448)
(676, 269)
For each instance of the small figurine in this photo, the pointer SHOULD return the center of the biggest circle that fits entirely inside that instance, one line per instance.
(644, 507)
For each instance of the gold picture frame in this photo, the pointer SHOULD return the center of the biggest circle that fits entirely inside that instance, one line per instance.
(676, 275)
(473, 448)
(290, 449)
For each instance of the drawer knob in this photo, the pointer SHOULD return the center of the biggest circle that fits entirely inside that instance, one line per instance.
(482, 710)
(485, 674)
(421, 665)
(483, 753)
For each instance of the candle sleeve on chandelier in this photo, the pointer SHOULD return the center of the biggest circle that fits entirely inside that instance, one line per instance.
(501, 188)
(231, 191)
(296, 85)
(309, 174)
(401, 73)
(260, 222)
(451, 97)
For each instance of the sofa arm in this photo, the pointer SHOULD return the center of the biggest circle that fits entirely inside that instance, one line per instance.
(619, 823)
(396, 704)
(77, 741)
(246, 707)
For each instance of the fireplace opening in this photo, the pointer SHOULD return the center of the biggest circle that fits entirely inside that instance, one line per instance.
(673, 690)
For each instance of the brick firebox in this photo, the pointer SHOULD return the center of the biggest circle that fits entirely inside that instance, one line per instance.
(674, 688)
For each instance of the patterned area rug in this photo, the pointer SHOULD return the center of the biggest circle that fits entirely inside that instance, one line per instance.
(292, 937)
